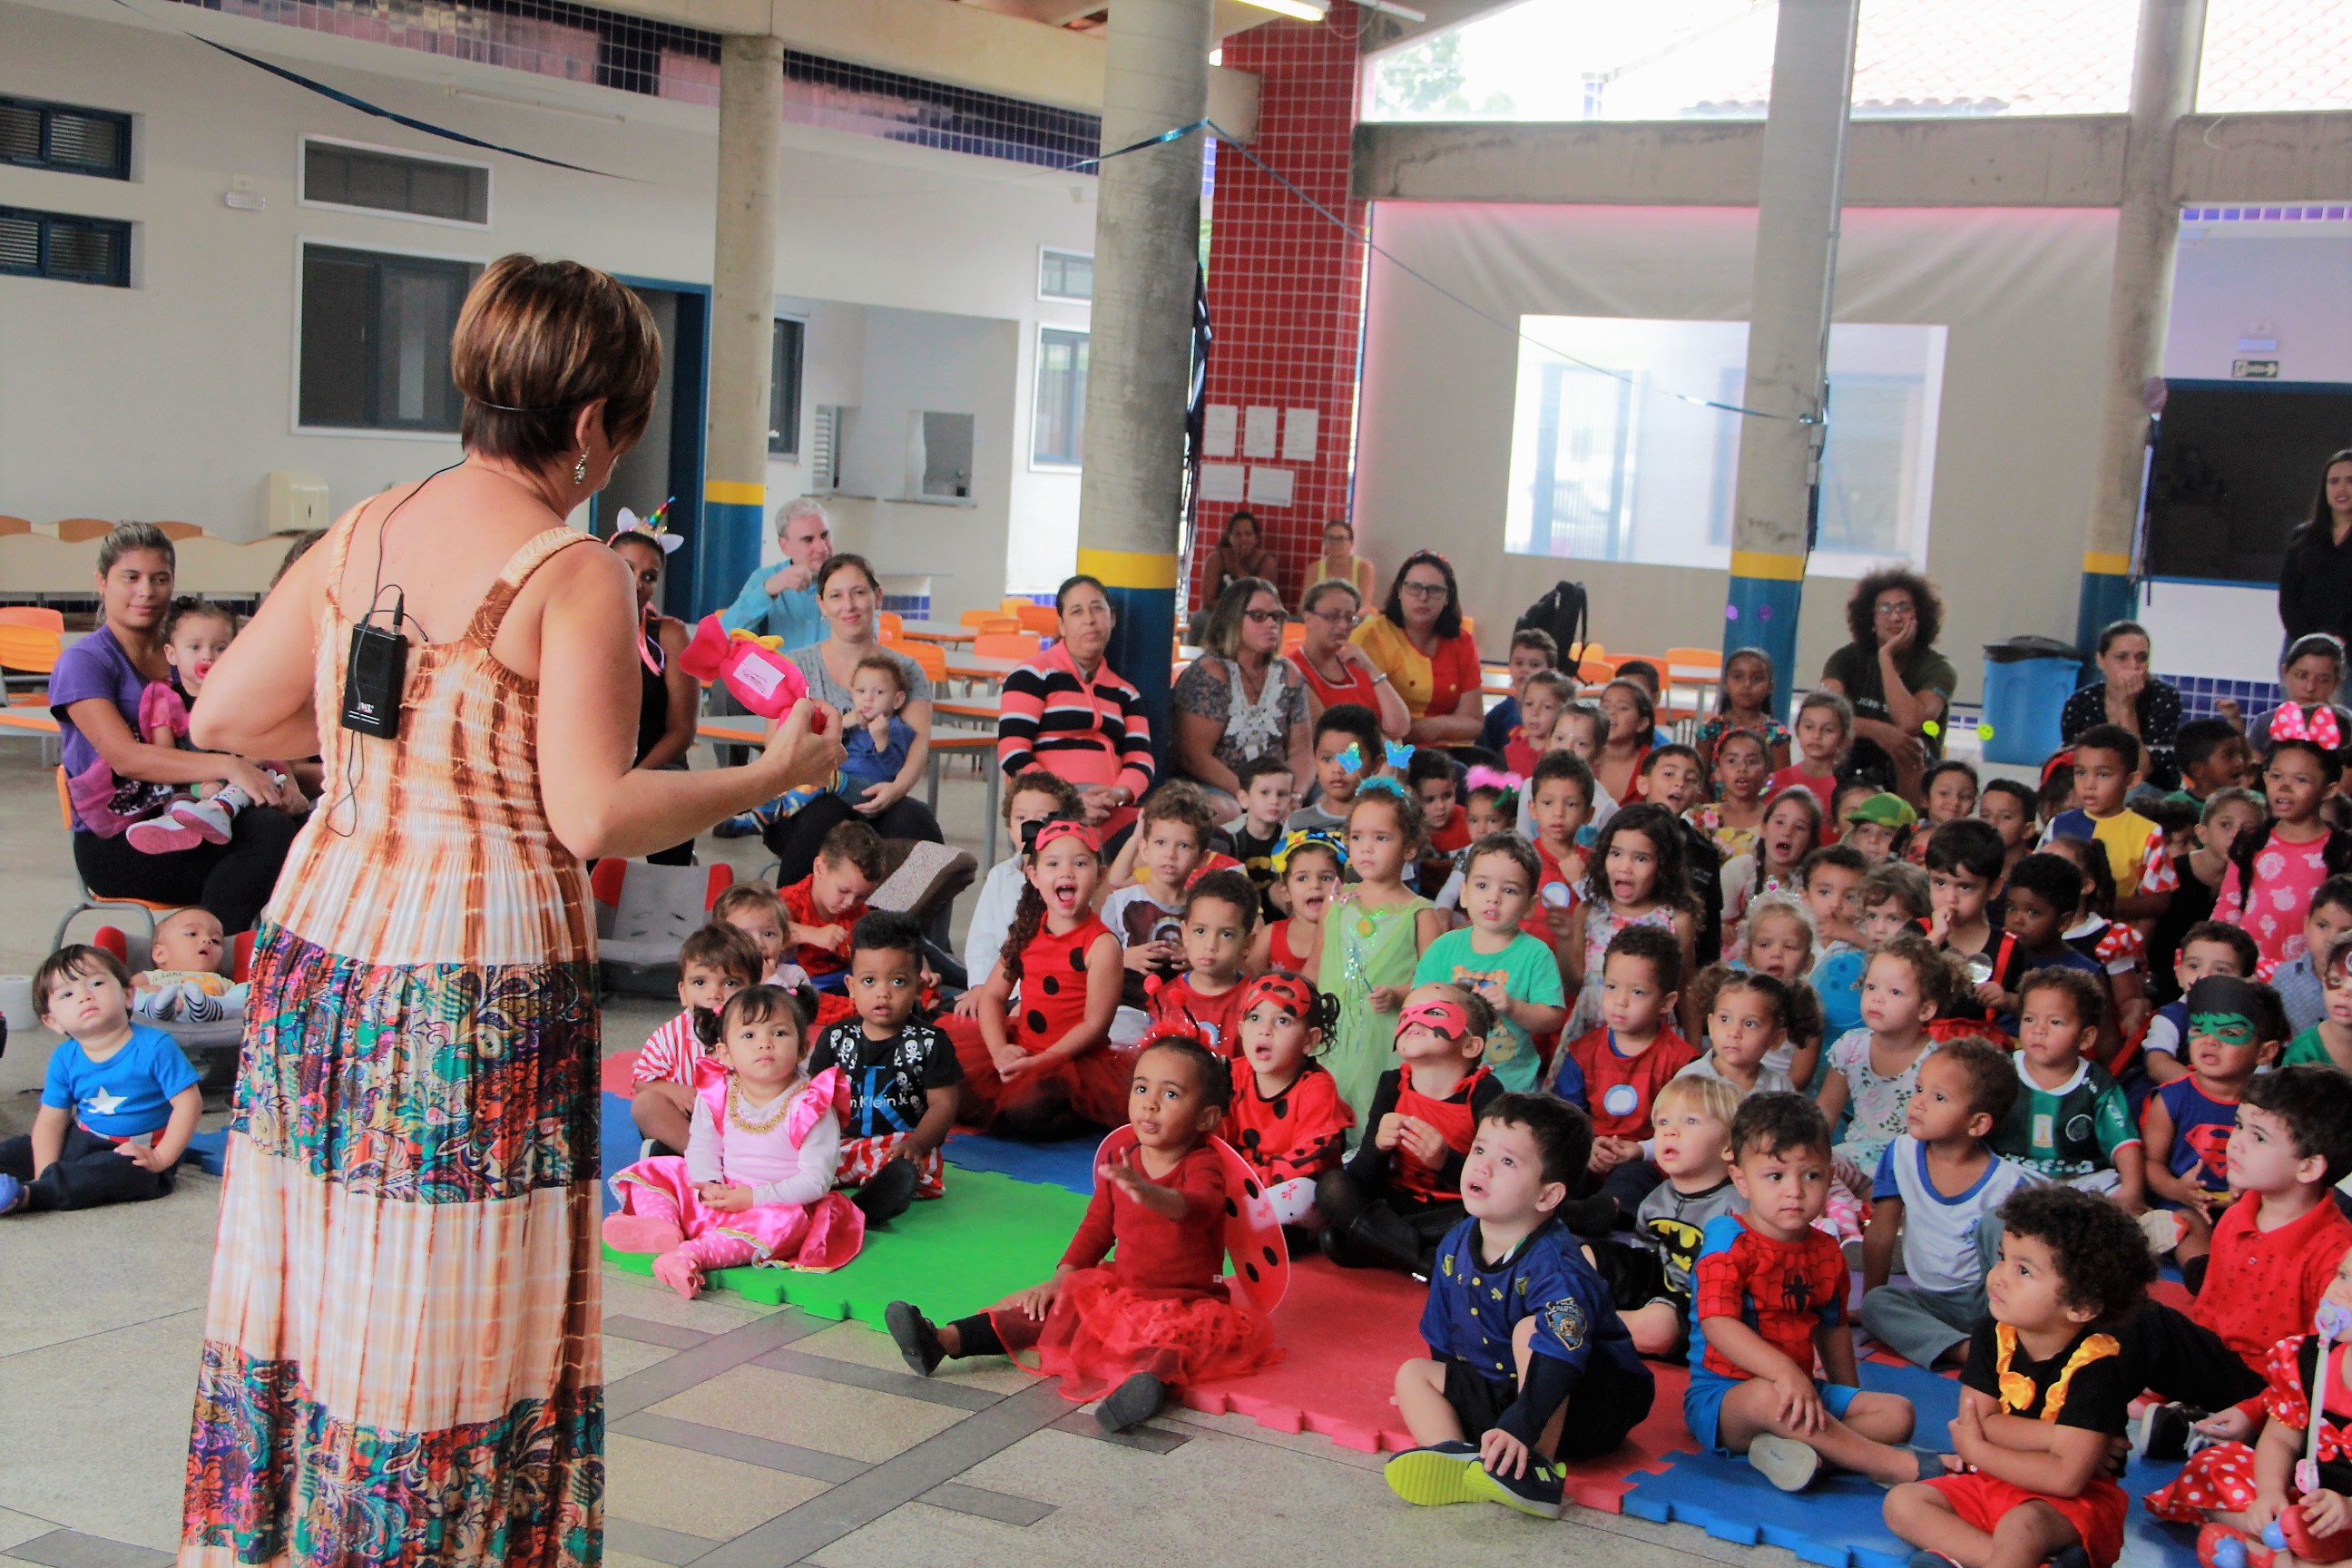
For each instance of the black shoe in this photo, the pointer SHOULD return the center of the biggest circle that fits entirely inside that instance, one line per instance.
(1436, 1475)
(1593, 1217)
(917, 1340)
(1332, 1243)
(889, 1192)
(1538, 1492)
(2071, 1557)
(1383, 1239)
(2162, 1431)
(1131, 1404)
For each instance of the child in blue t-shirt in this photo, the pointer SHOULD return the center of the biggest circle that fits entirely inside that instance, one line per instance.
(876, 740)
(119, 1102)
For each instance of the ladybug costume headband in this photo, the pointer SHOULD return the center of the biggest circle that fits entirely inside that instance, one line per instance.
(1040, 833)
(1294, 995)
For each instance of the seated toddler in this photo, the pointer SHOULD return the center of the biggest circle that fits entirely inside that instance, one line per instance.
(186, 985)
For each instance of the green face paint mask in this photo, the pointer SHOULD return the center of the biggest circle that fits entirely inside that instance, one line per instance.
(2229, 1028)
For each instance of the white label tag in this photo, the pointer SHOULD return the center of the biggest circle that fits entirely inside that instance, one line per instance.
(761, 677)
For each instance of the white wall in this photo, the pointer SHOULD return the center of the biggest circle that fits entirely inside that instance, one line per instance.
(2024, 294)
(174, 398)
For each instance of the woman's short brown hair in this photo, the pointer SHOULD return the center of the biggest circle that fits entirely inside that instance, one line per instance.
(536, 341)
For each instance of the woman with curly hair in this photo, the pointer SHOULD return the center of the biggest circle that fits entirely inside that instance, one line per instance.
(1417, 641)
(1891, 672)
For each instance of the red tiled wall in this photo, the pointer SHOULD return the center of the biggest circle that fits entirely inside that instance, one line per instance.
(1285, 284)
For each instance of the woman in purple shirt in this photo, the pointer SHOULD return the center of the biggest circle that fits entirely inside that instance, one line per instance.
(94, 691)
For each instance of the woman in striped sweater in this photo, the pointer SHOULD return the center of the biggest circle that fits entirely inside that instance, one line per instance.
(1069, 712)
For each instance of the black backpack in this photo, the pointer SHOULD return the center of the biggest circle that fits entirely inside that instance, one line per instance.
(1565, 617)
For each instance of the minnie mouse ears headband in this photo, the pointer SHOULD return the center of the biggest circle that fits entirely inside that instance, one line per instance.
(1036, 836)
(2318, 726)
(651, 529)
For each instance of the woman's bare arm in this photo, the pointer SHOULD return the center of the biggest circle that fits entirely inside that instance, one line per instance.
(1196, 752)
(257, 700)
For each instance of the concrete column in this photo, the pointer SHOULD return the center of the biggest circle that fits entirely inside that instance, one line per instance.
(1147, 250)
(742, 317)
(2139, 304)
(1788, 322)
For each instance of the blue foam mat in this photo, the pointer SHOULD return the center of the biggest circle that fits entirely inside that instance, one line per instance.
(618, 1144)
(208, 1150)
(1068, 1164)
(1838, 1522)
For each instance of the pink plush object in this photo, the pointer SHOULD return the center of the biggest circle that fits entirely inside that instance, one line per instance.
(763, 679)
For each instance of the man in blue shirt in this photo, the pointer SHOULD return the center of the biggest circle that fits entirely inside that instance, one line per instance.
(780, 600)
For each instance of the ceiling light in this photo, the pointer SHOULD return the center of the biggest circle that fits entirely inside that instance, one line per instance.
(1304, 10)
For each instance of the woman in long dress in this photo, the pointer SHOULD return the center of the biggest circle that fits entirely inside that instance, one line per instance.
(401, 1360)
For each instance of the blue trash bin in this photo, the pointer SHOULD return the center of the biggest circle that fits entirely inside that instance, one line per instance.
(2027, 682)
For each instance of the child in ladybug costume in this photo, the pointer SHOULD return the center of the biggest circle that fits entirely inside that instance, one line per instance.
(1175, 1199)
(1391, 1204)
(1286, 1119)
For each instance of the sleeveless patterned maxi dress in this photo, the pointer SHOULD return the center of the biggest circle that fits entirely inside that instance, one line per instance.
(401, 1361)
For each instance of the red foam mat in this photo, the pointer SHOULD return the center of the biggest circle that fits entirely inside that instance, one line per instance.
(1345, 1332)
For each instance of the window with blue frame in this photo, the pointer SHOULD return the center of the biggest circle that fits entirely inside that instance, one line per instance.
(36, 134)
(65, 246)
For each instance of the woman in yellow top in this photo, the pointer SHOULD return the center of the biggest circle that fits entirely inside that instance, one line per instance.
(1417, 641)
(1339, 562)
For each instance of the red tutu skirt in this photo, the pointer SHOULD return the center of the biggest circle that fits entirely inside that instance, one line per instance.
(1100, 1333)
(1095, 1083)
(823, 1235)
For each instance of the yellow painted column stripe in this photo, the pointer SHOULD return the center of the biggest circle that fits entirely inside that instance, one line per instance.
(1768, 563)
(2106, 563)
(1129, 568)
(734, 492)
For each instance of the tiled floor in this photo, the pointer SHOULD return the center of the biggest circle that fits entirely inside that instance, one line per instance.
(737, 1439)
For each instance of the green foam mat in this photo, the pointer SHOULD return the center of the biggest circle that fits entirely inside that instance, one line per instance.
(990, 1236)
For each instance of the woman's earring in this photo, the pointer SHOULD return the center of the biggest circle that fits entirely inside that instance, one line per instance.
(579, 469)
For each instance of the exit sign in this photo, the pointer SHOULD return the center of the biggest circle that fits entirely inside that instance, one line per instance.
(2253, 368)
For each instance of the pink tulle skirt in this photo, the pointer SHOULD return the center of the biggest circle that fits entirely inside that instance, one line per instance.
(1099, 1334)
(822, 1236)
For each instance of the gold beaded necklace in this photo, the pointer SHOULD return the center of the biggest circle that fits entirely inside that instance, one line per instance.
(774, 1116)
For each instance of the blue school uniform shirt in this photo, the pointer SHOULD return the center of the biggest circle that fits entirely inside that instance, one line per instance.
(1474, 1306)
(128, 1095)
(2200, 1133)
(1837, 980)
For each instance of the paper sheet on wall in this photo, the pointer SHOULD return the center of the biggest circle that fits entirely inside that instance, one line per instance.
(1269, 487)
(1218, 430)
(1258, 431)
(1221, 481)
(1299, 434)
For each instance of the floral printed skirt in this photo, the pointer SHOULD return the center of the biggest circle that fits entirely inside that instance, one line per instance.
(402, 1363)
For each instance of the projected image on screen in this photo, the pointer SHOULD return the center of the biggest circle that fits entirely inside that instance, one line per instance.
(1607, 464)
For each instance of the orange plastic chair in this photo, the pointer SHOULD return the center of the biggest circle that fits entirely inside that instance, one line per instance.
(74, 529)
(997, 626)
(1594, 670)
(84, 898)
(1040, 619)
(1007, 645)
(891, 623)
(181, 531)
(1293, 636)
(932, 658)
(976, 619)
(15, 525)
(29, 650)
(39, 615)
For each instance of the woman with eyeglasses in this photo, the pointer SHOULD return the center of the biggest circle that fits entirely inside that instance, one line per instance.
(1339, 562)
(1899, 685)
(1335, 669)
(1241, 699)
(1417, 641)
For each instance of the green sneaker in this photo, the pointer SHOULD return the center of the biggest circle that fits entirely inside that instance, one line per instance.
(1438, 1474)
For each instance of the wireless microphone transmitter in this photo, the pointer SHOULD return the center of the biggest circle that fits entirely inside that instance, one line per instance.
(374, 678)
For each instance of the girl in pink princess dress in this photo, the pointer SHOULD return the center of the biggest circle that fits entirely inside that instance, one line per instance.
(755, 1182)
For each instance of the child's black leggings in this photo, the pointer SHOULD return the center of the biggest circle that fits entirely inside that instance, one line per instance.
(89, 1173)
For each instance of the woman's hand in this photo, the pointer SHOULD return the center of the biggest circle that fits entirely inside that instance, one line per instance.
(1099, 801)
(879, 798)
(262, 788)
(798, 758)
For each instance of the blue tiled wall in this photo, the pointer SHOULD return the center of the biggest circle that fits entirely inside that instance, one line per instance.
(2199, 694)
(914, 607)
